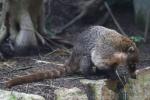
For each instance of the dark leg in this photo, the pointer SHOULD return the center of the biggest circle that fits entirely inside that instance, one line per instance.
(107, 73)
(85, 66)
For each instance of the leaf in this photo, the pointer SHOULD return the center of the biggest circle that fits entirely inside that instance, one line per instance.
(137, 39)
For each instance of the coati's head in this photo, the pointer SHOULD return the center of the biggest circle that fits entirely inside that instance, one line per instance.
(129, 58)
(132, 60)
(128, 54)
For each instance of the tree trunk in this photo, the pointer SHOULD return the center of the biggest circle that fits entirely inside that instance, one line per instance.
(24, 22)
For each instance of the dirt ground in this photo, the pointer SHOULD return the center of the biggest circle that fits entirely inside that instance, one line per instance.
(25, 65)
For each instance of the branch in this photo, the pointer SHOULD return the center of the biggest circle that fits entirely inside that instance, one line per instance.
(146, 26)
(47, 62)
(114, 19)
(19, 69)
(89, 6)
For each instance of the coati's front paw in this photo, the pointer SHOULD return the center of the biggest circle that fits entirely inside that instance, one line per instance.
(107, 73)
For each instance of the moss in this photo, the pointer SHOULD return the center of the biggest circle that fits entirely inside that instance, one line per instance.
(12, 97)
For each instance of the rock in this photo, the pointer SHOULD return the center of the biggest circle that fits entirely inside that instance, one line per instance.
(70, 94)
(11, 95)
(98, 89)
(134, 89)
(139, 89)
(95, 88)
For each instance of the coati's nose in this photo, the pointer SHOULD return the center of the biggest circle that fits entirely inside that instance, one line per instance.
(133, 76)
(129, 73)
(132, 69)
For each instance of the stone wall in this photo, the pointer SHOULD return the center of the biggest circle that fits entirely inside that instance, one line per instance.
(138, 89)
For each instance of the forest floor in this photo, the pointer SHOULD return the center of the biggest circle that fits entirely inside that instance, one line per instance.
(18, 66)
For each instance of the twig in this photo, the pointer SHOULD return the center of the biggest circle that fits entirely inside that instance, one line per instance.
(45, 85)
(40, 37)
(47, 62)
(119, 78)
(59, 51)
(23, 68)
(54, 51)
(146, 26)
(85, 10)
(7, 64)
(114, 19)
(64, 42)
(73, 78)
(74, 20)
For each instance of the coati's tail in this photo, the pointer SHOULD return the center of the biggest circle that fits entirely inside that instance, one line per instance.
(50, 74)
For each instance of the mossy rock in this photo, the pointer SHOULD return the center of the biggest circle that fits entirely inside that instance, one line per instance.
(11, 95)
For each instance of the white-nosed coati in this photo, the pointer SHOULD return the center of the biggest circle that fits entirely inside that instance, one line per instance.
(103, 47)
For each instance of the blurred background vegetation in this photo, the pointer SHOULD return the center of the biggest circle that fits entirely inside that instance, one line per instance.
(132, 15)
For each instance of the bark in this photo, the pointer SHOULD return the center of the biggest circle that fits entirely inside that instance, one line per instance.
(22, 25)
(26, 21)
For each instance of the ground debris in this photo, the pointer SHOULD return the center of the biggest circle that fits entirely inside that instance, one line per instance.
(70, 94)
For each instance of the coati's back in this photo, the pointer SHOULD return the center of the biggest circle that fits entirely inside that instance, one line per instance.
(103, 47)
(98, 37)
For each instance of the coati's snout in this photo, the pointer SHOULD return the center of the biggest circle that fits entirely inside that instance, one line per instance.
(132, 65)
(132, 60)
(129, 59)
(132, 69)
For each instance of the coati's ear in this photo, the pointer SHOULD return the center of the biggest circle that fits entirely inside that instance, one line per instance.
(131, 49)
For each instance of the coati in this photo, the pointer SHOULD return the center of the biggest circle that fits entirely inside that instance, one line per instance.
(104, 48)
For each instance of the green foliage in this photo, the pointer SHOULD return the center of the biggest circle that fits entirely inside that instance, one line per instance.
(137, 39)
(13, 97)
